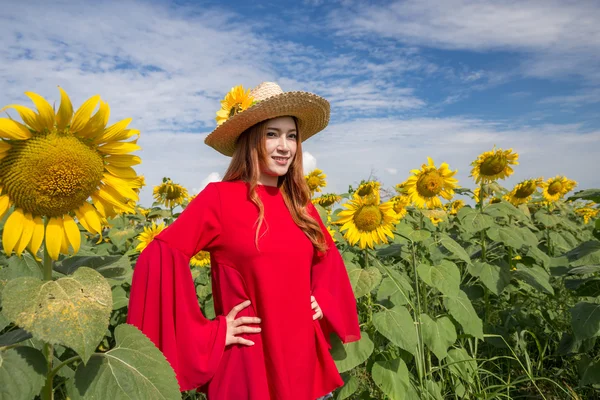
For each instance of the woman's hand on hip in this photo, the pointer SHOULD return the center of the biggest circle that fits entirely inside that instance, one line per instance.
(237, 326)
(315, 306)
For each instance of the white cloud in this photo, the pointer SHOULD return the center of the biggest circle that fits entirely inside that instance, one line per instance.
(309, 162)
(391, 171)
(212, 177)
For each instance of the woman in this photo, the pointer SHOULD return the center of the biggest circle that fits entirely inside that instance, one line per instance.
(279, 284)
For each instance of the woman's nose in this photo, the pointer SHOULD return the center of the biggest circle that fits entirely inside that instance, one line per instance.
(283, 144)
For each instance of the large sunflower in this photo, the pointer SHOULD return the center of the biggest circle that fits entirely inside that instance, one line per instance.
(202, 259)
(369, 190)
(428, 183)
(400, 203)
(523, 191)
(170, 194)
(493, 165)
(367, 223)
(327, 200)
(52, 163)
(315, 181)
(236, 101)
(555, 188)
(148, 235)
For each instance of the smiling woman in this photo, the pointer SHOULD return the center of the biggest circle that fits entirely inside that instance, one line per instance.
(280, 287)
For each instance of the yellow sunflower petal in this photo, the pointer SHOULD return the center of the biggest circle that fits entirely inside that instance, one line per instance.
(123, 160)
(90, 216)
(10, 129)
(27, 115)
(38, 235)
(12, 231)
(113, 131)
(110, 195)
(121, 186)
(72, 231)
(82, 115)
(28, 227)
(4, 204)
(121, 172)
(45, 111)
(54, 237)
(104, 208)
(64, 244)
(65, 111)
(97, 122)
(119, 148)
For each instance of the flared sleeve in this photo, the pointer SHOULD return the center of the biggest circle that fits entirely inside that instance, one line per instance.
(331, 287)
(163, 302)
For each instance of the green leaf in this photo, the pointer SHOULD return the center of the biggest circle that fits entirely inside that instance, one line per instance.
(110, 267)
(504, 209)
(414, 235)
(73, 311)
(392, 377)
(398, 327)
(363, 280)
(462, 311)
(445, 276)
(395, 290)
(119, 297)
(24, 266)
(351, 385)
(585, 254)
(348, 356)
(454, 248)
(493, 277)
(546, 219)
(585, 320)
(584, 270)
(461, 364)
(14, 336)
(534, 276)
(539, 255)
(22, 373)
(589, 371)
(474, 221)
(588, 194)
(120, 236)
(434, 390)
(134, 367)
(507, 235)
(438, 334)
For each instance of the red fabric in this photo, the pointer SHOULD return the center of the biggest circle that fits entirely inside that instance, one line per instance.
(290, 359)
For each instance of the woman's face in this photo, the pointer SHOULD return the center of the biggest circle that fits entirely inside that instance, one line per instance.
(281, 143)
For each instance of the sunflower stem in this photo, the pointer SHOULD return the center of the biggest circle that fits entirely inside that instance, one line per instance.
(420, 348)
(483, 256)
(47, 391)
(369, 300)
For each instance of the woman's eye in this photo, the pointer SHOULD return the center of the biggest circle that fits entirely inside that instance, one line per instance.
(271, 134)
(293, 136)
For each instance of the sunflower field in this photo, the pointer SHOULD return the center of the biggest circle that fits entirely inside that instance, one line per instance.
(463, 293)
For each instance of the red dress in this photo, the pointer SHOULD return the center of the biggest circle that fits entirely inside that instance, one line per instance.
(290, 359)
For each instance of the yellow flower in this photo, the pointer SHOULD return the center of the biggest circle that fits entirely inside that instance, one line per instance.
(148, 235)
(428, 183)
(400, 203)
(400, 188)
(493, 165)
(170, 194)
(236, 101)
(523, 191)
(315, 181)
(366, 223)
(587, 212)
(202, 259)
(455, 206)
(52, 163)
(435, 220)
(139, 183)
(327, 200)
(555, 188)
(332, 233)
(143, 211)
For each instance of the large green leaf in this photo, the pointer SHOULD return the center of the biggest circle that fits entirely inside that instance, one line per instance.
(120, 236)
(24, 266)
(22, 373)
(587, 253)
(73, 311)
(398, 327)
(351, 385)
(434, 391)
(135, 368)
(392, 377)
(14, 336)
(415, 235)
(454, 248)
(111, 267)
(363, 280)
(587, 194)
(461, 364)
(535, 276)
(507, 235)
(395, 289)
(438, 334)
(445, 276)
(474, 221)
(462, 311)
(589, 371)
(495, 278)
(585, 320)
(348, 356)
(546, 219)
(119, 297)
(539, 255)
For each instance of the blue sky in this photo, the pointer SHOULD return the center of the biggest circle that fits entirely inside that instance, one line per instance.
(406, 79)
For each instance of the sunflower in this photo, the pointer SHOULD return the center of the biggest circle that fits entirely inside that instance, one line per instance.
(492, 165)
(454, 206)
(315, 181)
(202, 259)
(148, 235)
(139, 183)
(555, 188)
(170, 194)
(428, 183)
(367, 223)
(236, 101)
(400, 188)
(435, 220)
(369, 190)
(587, 212)
(143, 211)
(400, 203)
(523, 191)
(332, 233)
(477, 193)
(52, 163)
(327, 200)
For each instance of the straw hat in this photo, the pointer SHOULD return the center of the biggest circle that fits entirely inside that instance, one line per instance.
(269, 101)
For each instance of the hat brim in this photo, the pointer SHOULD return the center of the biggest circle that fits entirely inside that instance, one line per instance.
(312, 112)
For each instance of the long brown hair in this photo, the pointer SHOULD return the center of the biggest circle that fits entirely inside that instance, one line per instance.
(250, 156)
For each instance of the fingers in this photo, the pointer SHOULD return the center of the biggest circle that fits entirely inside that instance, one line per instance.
(238, 308)
(318, 315)
(246, 342)
(245, 329)
(246, 320)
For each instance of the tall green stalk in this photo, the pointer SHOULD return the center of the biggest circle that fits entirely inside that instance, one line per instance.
(47, 391)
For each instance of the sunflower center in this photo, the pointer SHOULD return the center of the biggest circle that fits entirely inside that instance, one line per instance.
(525, 190)
(237, 108)
(493, 165)
(368, 218)
(430, 184)
(51, 175)
(555, 187)
(170, 192)
(313, 182)
(365, 190)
